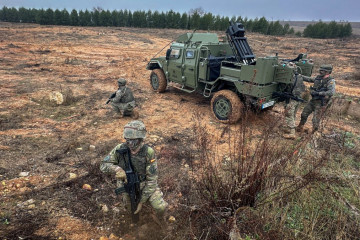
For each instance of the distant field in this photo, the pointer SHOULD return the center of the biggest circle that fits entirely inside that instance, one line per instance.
(301, 25)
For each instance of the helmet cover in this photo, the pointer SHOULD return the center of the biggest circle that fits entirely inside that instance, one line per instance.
(134, 129)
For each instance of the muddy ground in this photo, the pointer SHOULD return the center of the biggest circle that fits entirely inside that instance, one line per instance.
(50, 141)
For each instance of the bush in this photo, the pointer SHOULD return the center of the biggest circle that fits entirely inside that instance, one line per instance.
(330, 30)
(284, 187)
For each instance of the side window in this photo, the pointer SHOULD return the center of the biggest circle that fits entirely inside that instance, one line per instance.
(175, 53)
(190, 54)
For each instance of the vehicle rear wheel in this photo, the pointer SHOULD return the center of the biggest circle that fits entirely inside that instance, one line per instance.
(158, 80)
(226, 106)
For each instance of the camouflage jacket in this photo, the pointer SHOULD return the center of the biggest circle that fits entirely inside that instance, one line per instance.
(123, 95)
(324, 86)
(144, 163)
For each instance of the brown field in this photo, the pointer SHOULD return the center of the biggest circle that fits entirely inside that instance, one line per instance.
(51, 141)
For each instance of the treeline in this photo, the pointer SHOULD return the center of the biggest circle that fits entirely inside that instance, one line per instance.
(195, 19)
(328, 30)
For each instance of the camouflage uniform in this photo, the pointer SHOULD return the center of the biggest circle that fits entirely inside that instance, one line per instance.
(292, 106)
(145, 165)
(124, 101)
(322, 91)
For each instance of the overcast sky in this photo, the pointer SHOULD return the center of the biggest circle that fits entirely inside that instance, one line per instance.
(326, 10)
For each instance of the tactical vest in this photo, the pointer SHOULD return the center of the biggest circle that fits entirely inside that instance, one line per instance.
(128, 96)
(138, 160)
(320, 83)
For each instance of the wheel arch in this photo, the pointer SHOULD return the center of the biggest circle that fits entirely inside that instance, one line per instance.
(154, 65)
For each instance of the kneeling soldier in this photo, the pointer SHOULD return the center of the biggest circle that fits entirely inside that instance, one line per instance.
(135, 168)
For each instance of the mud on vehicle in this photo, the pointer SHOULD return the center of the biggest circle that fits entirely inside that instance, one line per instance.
(227, 71)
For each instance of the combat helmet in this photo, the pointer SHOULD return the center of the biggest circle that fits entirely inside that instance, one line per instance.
(121, 82)
(326, 67)
(134, 129)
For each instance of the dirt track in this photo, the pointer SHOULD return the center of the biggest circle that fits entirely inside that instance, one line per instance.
(50, 141)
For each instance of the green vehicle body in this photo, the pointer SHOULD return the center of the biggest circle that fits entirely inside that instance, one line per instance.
(199, 62)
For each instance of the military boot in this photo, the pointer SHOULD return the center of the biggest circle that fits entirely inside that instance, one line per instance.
(290, 135)
(135, 114)
(300, 128)
(315, 129)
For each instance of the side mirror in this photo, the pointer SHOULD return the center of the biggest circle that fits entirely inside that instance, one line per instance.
(168, 54)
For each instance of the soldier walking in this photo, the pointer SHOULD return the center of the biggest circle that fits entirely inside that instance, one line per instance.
(144, 165)
(321, 93)
(292, 106)
(123, 101)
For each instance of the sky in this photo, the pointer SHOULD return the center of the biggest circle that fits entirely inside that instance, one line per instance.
(304, 10)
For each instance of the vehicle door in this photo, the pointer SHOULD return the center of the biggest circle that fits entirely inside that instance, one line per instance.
(174, 64)
(190, 67)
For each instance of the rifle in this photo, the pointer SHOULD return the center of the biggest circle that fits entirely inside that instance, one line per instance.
(111, 97)
(132, 187)
(285, 96)
(318, 97)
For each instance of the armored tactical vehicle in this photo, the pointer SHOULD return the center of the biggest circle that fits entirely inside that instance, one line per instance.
(227, 71)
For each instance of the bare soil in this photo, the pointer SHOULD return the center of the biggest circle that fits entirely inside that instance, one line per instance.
(51, 141)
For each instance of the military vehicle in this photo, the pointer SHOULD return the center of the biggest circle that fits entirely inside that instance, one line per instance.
(227, 71)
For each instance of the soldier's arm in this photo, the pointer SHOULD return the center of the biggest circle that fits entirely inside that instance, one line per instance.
(151, 176)
(118, 96)
(110, 162)
(308, 79)
(330, 89)
(299, 87)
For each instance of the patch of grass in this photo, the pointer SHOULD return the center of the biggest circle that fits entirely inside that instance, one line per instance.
(273, 189)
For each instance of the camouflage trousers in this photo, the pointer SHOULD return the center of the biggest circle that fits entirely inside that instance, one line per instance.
(316, 107)
(156, 200)
(291, 109)
(125, 109)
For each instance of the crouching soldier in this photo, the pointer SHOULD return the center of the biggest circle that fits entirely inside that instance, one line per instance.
(134, 162)
(321, 93)
(123, 101)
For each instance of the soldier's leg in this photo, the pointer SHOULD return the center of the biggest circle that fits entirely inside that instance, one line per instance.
(308, 109)
(158, 203)
(115, 108)
(124, 197)
(129, 109)
(290, 114)
(318, 114)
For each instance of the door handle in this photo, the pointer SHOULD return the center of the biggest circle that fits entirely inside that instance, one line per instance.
(191, 69)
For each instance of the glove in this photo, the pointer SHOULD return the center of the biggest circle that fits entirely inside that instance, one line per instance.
(120, 174)
(139, 207)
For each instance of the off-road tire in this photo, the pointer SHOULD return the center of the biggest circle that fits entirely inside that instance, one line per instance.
(158, 80)
(226, 106)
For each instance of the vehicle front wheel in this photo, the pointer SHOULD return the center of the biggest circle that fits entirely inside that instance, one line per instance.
(226, 106)
(158, 80)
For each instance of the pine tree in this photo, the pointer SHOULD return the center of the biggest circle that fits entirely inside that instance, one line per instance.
(183, 21)
(95, 16)
(57, 17)
(49, 17)
(74, 18)
(65, 17)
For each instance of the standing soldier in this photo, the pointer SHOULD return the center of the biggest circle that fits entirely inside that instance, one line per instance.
(321, 93)
(144, 164)
(123, 101)
(292, 106)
